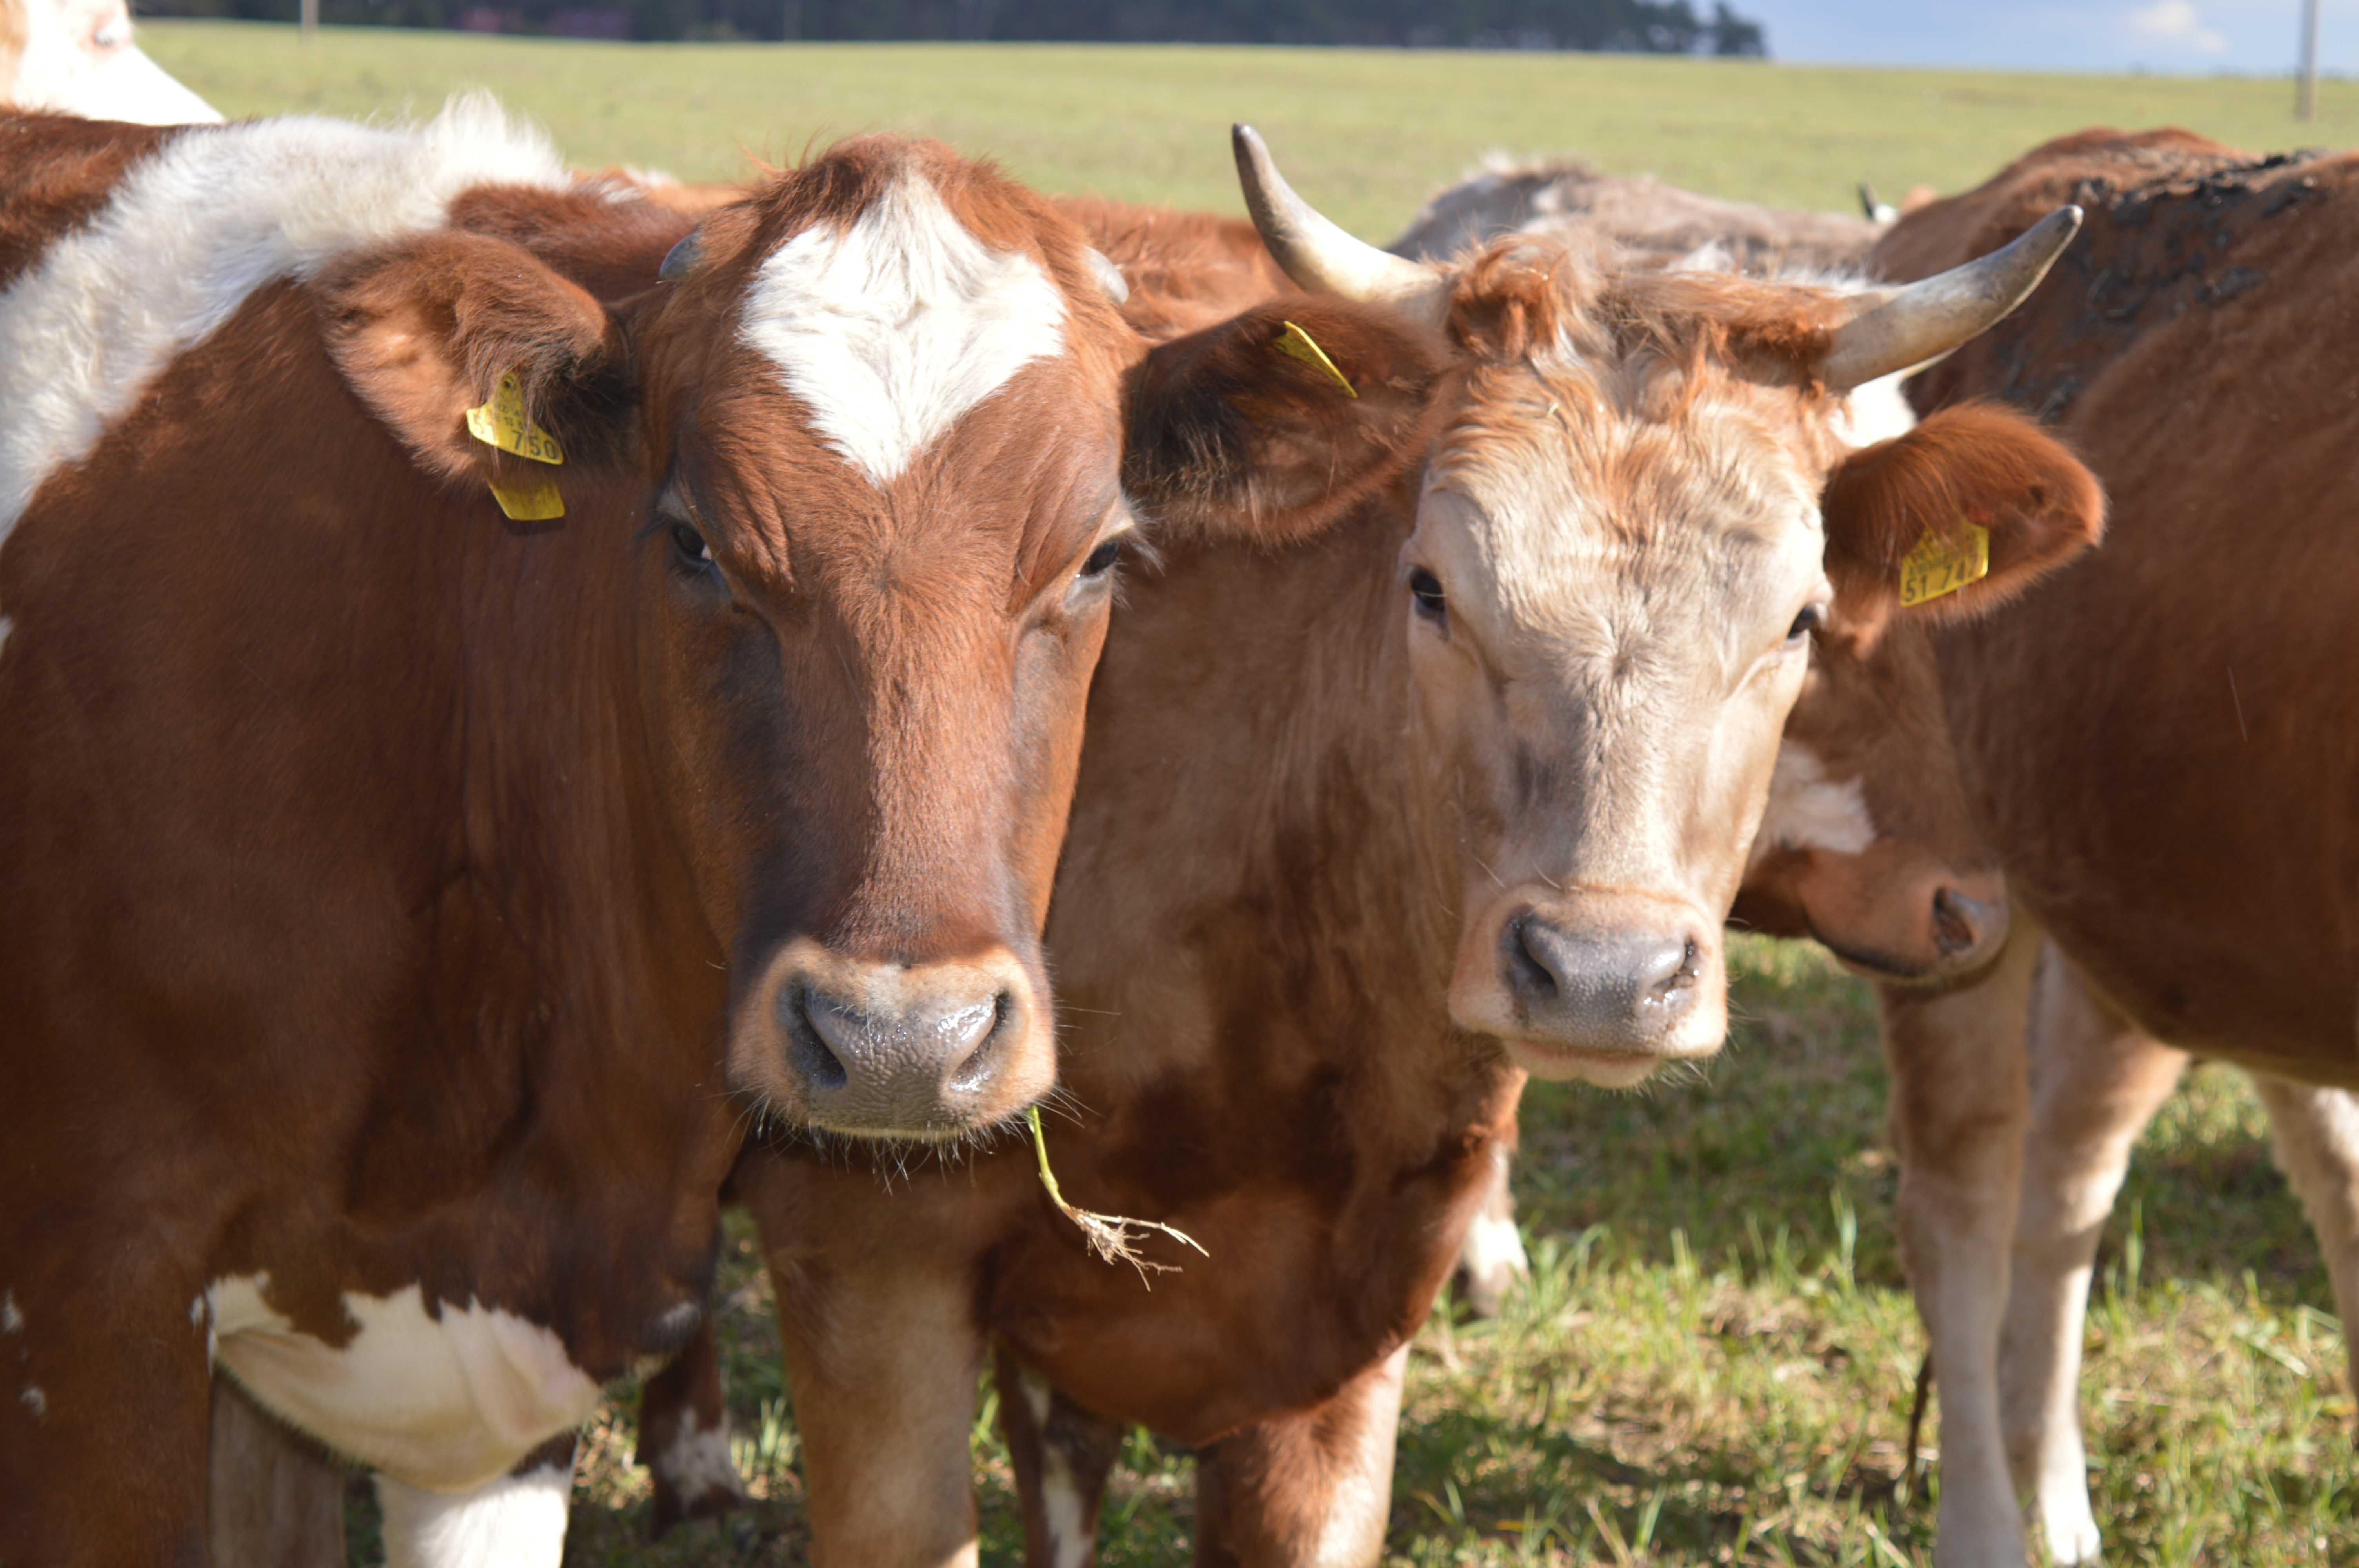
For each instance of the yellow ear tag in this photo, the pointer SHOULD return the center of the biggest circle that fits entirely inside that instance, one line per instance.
(535, 500)
(1933, 568)
(502, 423)
(1297, 344)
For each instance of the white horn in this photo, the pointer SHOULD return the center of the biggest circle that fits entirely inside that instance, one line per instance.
(1321, 258)
(1897, 329)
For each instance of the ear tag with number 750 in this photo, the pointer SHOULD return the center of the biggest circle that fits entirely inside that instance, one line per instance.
(502, 423)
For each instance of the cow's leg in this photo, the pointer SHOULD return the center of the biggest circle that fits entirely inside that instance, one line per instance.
(1491, 1259)
(277, 1498)
(1062, 1456)
(883, 1357)
(2096, 1081)
(2318, 1147)
(518, 1521)
(1309, 1490)
(1957, 1107)
(106, 1404)
(684, 1435)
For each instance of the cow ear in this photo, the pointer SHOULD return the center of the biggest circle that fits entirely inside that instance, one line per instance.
(1901, 514)
(1273, 424)
(426, 329)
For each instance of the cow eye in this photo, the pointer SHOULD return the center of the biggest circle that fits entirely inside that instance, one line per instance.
(1426, 590)
(1811, 618)
(1106, 556)
(690, 546)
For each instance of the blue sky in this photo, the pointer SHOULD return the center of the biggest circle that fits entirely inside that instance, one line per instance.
(2197, 36)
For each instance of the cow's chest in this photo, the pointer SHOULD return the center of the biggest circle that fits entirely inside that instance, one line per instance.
(444, 1398)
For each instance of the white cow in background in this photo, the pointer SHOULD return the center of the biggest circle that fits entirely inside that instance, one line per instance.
(76, 57)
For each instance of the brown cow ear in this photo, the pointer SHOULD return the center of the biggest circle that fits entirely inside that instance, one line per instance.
(1900, 517)
(1274, 424)
(426, 329)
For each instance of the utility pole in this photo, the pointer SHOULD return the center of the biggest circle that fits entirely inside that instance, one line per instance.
(2305, 97)
(310, 17)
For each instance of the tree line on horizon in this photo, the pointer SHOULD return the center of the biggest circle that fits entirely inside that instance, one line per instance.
(1647, 27)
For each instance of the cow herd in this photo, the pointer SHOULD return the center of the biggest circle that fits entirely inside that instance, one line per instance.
(538, 705)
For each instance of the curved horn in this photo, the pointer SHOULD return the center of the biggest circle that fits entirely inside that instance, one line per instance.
(1895, 329)
(681, 259)
(1320, 257)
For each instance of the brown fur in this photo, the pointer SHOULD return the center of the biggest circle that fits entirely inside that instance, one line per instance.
(2158, 745)
(1256, 925)
(381, 877)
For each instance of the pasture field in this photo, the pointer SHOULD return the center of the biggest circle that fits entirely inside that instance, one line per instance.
(1714, 1362)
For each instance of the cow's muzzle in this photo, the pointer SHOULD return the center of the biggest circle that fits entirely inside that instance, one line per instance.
(1605, 987)
(887, 1050)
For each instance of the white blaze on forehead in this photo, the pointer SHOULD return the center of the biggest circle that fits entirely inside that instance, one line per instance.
(891, 328)
(447, 1400)
(191, 232)
(1807, 810)
(518, 1521)
(11, 1320)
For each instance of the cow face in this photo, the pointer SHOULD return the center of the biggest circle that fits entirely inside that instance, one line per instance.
(76, 57)
(1637, 516)
(877, 411)
(1868, 843)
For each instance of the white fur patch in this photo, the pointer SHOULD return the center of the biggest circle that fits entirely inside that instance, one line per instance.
(35, 1401)
(890, 329)
(697, 1461)
(191, 234)
(79, 59)
(1492, 1253)
(1807, 810)
(518, 1521)
(448, 1403)
(1070, 1544)
(1874, 411)
(11, 1320)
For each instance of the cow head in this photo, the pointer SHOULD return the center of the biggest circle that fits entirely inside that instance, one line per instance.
(1868, 842)
(875, 414)
(1637, 514)
(77, 57)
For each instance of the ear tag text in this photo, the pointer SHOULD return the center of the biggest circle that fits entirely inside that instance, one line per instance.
(502, 423)
(1297, 344)
(1934, 566)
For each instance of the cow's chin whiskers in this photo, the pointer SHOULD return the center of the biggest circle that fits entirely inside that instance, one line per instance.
(897, 1154)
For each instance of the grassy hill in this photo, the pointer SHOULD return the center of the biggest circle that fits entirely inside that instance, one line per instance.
(1366, 134)
(1715, 1364)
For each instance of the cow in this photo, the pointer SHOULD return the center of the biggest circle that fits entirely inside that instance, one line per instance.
(505, 687)
(1370, 825)
(1652, 222)
(76, 57)
(2170, 817)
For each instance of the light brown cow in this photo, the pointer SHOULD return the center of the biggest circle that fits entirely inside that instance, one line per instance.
(77, 57)
(405, 908)
(2172, 817)
(1368, 826)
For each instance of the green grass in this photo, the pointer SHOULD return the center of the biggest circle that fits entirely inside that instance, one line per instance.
(1364, 134)
(1714, 1362)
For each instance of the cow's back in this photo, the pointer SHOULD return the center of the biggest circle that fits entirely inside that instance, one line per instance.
(2164, 745)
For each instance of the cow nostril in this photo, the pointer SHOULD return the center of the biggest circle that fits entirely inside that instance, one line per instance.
(1525, 969)
(820, 1066)
(976, 1069)
(1954, 923)
(1674, 974)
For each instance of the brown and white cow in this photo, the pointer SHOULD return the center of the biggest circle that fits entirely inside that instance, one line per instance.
(77, 57)
(2158, 747)
(404, 908)
(1370, 824)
